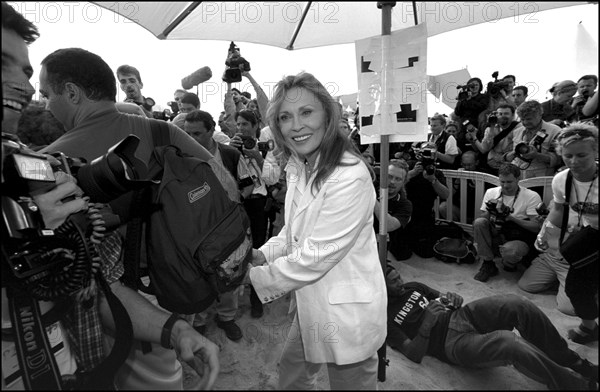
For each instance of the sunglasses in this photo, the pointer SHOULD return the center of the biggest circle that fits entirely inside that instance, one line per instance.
(577, 134)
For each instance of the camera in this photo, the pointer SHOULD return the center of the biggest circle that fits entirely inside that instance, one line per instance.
(233, 72)
(522, 149)
(464, 93)
(165, 115)
(535, 144)
(148, 103)
(494, 88)
(265, 147)
(426, 155)
(53, 264)
(446, 302)
(493, 118)
(498, 211)
(542, 210)
(248, 142)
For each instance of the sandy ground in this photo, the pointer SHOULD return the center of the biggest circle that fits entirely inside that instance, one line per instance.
(251, 363)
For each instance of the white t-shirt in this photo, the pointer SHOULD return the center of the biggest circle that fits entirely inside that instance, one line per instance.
(577, 200)
(523, 206)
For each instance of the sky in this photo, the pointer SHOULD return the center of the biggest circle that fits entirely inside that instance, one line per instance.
(542, 49)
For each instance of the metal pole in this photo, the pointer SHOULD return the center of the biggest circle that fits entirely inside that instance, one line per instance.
(386, 30)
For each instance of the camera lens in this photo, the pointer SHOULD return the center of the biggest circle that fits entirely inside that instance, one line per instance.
(249, 143)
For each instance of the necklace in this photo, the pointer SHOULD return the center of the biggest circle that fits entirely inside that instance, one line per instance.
(308, 169)
(581, 206)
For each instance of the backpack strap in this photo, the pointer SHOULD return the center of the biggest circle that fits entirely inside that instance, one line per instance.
(230, 159)
(140, 201)
(161, 135)
(140, 205)
(565, 217)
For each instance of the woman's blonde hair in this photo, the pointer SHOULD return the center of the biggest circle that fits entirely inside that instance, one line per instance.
(334, 143)
(575, 132)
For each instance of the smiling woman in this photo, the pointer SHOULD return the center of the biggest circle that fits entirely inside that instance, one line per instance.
(326, 255)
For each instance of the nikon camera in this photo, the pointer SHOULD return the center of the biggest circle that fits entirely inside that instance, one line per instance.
(54, 264)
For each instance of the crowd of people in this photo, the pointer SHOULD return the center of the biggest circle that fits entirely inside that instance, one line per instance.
(310, 191)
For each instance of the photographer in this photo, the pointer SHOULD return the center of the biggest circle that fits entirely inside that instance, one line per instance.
(558, 109)
(82, 349)
(264, 172)
(424, 184)
(507, 225)
(399, 210)
(498, 137)
(131, 84)
(586, 87)
(85, 105)
(533, 143)
(471, 102)
(446, 148)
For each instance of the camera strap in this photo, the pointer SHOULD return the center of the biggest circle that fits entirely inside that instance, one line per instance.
(504, 132)
(36, 361)
(565, 217)
(35, 356)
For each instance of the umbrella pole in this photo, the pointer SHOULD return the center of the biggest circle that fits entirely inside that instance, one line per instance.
(386, 29)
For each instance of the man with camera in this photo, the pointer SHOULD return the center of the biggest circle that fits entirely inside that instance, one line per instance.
(399, 210)
(498, 137)
(423, 321)
(264, 172)
(446, 149)
(533, 143)
(80, 350)
(131, 84)
(586, 87)
(86, 108)
(471, 102)
(424, 184)
(507, 225)
(558, 109)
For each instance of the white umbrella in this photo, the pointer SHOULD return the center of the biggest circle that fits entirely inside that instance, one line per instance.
(299, 25)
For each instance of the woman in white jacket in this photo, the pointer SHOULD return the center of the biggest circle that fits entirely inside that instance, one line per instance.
(326, 254)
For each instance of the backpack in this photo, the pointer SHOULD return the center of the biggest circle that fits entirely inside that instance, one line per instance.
(455, 250)
(198, 241)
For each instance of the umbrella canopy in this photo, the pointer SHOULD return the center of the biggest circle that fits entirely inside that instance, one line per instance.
(299, 25)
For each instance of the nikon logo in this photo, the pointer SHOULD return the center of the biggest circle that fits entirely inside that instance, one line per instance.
(198, 193)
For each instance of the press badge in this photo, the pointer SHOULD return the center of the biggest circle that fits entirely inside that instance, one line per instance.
(11, 371)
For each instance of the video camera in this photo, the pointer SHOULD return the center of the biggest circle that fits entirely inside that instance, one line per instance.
(426, 155)
(53, 264)
(464, 93)
(233, 72)
(165, 115)
(494, 88)
(492, 118)
(498, 211)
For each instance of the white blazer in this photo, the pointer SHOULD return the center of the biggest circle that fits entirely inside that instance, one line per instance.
(326, 254)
